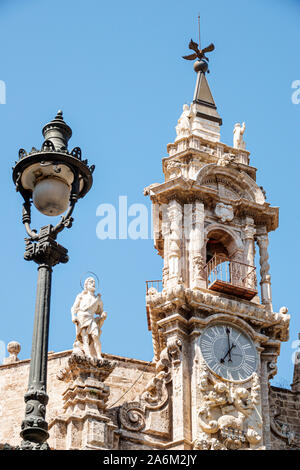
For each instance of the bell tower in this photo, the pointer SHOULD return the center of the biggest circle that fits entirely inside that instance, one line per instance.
(209, 217)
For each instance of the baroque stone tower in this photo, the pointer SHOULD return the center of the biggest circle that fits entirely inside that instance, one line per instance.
(209, 215)
(216, 338)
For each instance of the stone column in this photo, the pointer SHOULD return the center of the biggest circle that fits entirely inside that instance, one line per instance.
(265, 283)
(249, 232)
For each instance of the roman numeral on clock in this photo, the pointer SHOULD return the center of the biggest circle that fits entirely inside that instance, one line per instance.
(215, 331)
(250, 359)
(246, 346)
(206, 344)
(208, 356)
(247, 369)
(228, 375)
(216, 368)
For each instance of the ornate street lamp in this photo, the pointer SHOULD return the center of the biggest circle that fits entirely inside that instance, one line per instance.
(53, 179)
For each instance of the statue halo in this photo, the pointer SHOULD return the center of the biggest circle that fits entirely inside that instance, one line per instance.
(94, 275)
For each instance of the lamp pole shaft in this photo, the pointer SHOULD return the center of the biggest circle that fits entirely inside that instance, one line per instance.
(34, 427)
(39, 352)
(46, 252)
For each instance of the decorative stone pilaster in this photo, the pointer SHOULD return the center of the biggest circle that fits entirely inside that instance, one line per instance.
(175, 335)
(265, 283)
(175, 243)
(268, 370)
(197, 248)
(189, 243)
(165, 230)
(182, 398)
(84, 424)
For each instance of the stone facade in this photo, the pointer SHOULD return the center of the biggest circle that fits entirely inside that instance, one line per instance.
(128, 380)
(284, 419)
(13, 384)
(216, 338)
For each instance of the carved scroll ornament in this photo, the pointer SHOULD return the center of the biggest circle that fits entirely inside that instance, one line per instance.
(155, 396)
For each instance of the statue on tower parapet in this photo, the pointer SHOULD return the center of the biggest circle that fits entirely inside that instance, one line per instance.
(88, 326)
(184, 125)
(238, 133)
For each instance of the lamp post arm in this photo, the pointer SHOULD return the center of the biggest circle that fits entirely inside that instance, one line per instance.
(66, 220)
(26, 219)
(32, 233)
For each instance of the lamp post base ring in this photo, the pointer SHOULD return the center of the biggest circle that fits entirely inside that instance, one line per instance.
(30, 445)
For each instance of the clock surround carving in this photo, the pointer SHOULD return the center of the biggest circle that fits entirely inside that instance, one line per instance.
(229, 412)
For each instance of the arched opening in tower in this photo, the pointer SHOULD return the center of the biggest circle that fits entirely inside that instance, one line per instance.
(225, 269)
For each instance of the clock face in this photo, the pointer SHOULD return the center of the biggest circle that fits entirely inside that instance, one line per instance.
(228, 352)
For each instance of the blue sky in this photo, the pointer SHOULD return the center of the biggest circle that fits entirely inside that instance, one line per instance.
(115, 69)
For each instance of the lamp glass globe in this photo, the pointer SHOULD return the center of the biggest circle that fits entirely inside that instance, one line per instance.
(51, 196)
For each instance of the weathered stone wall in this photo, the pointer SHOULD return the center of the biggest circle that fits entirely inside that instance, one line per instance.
(285, 419)
(126, 382)
(14, 378)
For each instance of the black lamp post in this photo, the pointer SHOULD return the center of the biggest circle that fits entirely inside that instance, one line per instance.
(53, 179)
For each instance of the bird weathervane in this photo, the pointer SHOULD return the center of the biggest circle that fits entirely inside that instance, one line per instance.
(202, 62)
(198, 53)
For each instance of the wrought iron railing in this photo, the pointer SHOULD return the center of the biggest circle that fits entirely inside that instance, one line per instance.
(223, 269)
(156, 284)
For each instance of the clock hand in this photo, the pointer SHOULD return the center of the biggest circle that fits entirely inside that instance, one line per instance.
(228, 340)
(229, 347)
(228, 352)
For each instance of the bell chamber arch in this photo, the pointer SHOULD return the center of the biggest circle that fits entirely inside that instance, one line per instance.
(230, 183)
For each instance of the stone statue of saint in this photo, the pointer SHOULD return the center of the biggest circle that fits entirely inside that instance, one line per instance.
(183, 128)
(88, 316)
(238, 132)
